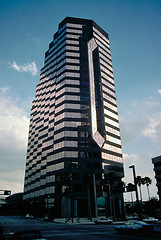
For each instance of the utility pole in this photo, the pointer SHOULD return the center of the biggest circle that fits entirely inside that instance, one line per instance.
(136, 190)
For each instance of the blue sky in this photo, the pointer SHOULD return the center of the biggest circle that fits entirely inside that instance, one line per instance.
(27, 28)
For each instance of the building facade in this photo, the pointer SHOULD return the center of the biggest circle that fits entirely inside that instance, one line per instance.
(157, 169)
(74, 135)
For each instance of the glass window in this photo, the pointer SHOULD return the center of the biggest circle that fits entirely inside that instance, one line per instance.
(74, 25)
(111, 122)
(73, 31)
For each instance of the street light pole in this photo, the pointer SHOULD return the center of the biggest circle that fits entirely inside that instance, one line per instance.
(136, 190)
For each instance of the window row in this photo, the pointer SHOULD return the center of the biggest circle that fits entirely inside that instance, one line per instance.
(73, 42)
(55, 167)
(52, 64)
(67, 115)
(72, 60)
(112, 130)
(67, 89)
(72, 54)
(63, 144)
(105, 59)
(53, 60)
(73, 67)
(57, 44)
(105, 48)
(102, 37)
(105, 72)
(104, 53)
(72, 36)
(109, 98)
(73, 25)
(45, 83)
(108, 105)
(70, 30)
(107, 83)
(67, 124)
(111, 157)
(67, 97)
(67, 106)
(111, 122)
(65, 154)
(62, 28)
(48, 143)
(72, 48)
(107, 90)
(105, 76)
(51, 178)
(112, 148)
(56, 47)
(109, 113)
(105, 65)
(113, 140)
(65, 134)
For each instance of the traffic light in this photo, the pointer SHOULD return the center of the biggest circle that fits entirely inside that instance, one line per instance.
(7, 192)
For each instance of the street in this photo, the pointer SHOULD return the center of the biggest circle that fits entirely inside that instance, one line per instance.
(66, 231)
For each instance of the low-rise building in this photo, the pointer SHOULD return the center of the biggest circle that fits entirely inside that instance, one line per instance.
(157, 168)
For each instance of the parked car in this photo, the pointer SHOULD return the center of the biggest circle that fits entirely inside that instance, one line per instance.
(24, 235)
(150, 220)
(29, 216)
(103, 221)
(134, 226)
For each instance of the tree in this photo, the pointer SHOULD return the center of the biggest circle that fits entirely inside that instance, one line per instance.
(140, 181)
(147, 182)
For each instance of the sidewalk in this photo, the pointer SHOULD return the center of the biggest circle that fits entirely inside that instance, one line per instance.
(78, 220)
(74, 220)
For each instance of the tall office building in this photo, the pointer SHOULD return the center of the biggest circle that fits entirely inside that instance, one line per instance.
(74, 135)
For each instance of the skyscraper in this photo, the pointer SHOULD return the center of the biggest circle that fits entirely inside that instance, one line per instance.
(74, 135)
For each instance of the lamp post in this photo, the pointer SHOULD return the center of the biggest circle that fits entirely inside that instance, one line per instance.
(136, 190)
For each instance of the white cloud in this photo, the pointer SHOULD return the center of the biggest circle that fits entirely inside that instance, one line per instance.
(4, 90)
(13, 181)
(33, 38)
(153, 129)
(14, 126)
(143, 119)
(131, 158)
(29, 67)
(159, 91)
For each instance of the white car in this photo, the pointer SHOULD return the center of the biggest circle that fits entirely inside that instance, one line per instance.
(134, 226)
(29, 216)
(150, 220)
(103, 221)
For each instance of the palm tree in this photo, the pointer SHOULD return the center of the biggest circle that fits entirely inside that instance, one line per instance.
(140, 181)
(147, 182)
